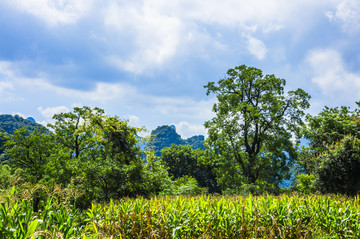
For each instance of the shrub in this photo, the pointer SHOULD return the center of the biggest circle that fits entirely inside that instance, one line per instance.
(185, 185)
(339, 167)
(305, 183)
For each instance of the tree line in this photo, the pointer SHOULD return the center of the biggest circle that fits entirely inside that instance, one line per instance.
(252, 147)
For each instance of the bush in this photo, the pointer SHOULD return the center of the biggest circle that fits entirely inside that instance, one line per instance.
(186, 185)
(305, 183)
(339, 168)
(258, 188)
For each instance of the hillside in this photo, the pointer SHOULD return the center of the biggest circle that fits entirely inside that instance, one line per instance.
(165, 136)
(11, 123)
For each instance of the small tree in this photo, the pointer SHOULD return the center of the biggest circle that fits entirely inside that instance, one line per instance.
(30, 151)
(102, 151)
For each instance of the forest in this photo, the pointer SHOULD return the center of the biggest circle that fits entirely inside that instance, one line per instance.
(86, 176)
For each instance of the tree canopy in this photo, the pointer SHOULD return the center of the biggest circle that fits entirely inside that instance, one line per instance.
(339, 167)
(331, 157)
(252, 133)
(331, 125)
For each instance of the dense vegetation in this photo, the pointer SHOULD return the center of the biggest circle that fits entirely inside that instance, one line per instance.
(67, 171)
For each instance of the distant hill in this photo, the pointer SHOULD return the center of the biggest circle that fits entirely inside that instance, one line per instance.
(11, 123)
(165, 136)
(197, 142)
(31, 119)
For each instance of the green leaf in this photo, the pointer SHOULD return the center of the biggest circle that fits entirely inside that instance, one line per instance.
(31, 228)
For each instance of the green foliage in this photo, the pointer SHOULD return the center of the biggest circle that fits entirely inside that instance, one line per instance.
(251, 134)
(332, 155)
(3, 138)
(307, 161)
(7, 176)
(155, 174)
(87, 150)
(305, 183)
(339, 167)
(180, 160)
(196, 142)
(205, 216)
(18, 219)
(102, 152)
(185, 185)
(183, 160)
(30, 151)
(330, 126)
(74, 131)
(261, 187)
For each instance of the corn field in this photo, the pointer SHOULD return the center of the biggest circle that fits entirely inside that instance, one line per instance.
(207, 216)
(227, 217)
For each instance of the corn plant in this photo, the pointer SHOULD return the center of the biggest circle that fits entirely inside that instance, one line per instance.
(18, 219)
(227, 217)
(206, 216)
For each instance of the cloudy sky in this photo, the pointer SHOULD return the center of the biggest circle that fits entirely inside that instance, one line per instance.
(147, 60)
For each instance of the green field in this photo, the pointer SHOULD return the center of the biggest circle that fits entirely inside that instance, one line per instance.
(207, 216)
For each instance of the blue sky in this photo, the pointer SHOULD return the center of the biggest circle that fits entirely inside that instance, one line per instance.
(147, 60)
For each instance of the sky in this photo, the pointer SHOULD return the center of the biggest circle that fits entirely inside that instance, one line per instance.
(147, 61)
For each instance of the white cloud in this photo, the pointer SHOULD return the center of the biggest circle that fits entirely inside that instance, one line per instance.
(126, 96)
(144, 35)
(49, 112)
(20, 114)
(183, 107)
(6, 86)
(6, 92)
(186, 130)
(134, 120)
(160, 30)
(330, 74)
(54, 12)
(347, 14)
(156, 36)
(264, 15)
(5, 69)
(257, 48)
(102, 92)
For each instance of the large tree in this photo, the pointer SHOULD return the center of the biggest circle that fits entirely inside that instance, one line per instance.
(252, 134)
